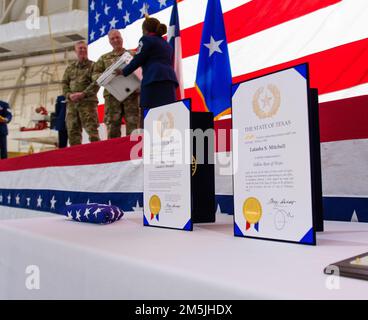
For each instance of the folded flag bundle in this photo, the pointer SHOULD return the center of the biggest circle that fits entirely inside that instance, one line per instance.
(93, 213)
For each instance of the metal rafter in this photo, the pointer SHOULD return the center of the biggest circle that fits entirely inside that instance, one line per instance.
(7, 7)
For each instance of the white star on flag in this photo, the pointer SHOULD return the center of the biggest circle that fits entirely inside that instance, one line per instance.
(126, 17)
(88, 201)
(162, 3)
(214, 46)
(106, 10)
(98, 210)
(39, 202)
(92, 36)
(28, 202)
(170, 33)
(17, 199)
(68, 202)
(92, 6)
(87, 213)
(70, 216)
(120, 5)
(113, 214)
(97, 17)
(113, 23)
(53, 202)
(1, 198)
(134, 1)
(144, 9)
(78, 216)
(354, 217)
(102, 29)
(218, 209)
(137, 208)
(9, 199)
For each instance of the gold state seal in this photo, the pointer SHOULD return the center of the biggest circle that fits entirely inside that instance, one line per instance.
(165, 124)
(266, 101)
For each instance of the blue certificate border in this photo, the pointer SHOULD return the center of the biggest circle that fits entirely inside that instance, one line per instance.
(310, 237)
(189, 225)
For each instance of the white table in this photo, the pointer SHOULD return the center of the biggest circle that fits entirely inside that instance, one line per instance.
(127, 261)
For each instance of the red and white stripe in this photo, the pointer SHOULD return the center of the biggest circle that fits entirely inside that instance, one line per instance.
(96, 167)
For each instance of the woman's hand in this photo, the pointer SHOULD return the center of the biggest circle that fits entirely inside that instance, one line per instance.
(118, 72)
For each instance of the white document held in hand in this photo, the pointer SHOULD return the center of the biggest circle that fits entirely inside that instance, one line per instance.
(119, 86)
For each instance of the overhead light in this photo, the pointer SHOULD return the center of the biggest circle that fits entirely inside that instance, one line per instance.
(69, 38)
(3, 50)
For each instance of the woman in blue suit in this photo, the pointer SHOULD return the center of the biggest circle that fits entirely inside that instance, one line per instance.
(155, 56)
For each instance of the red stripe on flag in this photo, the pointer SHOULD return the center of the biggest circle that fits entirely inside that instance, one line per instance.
(331, 70)
(223, 135)
(253, 17)
(197, 101)
(344, 119)
(115, 150)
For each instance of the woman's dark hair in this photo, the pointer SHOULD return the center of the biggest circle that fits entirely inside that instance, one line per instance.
(153, 25)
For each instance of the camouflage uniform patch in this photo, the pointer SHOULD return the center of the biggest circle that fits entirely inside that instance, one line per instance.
(116, 110)
(82, 115)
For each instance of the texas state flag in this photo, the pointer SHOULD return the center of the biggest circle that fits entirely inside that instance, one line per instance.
(173, 37)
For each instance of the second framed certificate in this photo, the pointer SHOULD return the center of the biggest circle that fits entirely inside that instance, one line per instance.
(273, 184)
(178, 167)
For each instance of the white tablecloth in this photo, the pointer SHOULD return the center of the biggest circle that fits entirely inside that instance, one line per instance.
(128, 261)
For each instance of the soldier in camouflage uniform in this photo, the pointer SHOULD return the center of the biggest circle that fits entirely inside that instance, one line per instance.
(81, 93)
(114, 109)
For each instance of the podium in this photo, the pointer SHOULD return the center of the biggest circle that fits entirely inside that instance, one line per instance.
(203, 178)
(179, 183)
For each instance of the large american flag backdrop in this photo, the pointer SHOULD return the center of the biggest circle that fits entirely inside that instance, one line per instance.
(266, 35)
(263, 36)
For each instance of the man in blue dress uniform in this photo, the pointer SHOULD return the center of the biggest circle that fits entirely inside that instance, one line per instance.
(60, 123)
(5, 118)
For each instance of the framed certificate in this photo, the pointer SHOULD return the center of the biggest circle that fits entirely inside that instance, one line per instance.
(273, 167)
(354, 267)
(178, 191)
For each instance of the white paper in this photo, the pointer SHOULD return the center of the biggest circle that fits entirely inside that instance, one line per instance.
(272, 174)
(119, 86)
(167, 175)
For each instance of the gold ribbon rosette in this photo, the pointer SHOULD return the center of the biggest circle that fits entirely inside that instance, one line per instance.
(252, 212)
(155, 207)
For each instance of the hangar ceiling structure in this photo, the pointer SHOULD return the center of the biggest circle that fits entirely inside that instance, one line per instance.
(36, 44)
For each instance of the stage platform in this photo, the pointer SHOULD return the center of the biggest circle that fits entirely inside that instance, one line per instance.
(128, 261)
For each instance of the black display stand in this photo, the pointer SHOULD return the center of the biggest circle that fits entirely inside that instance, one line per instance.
(203, 173)
(316, 160)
